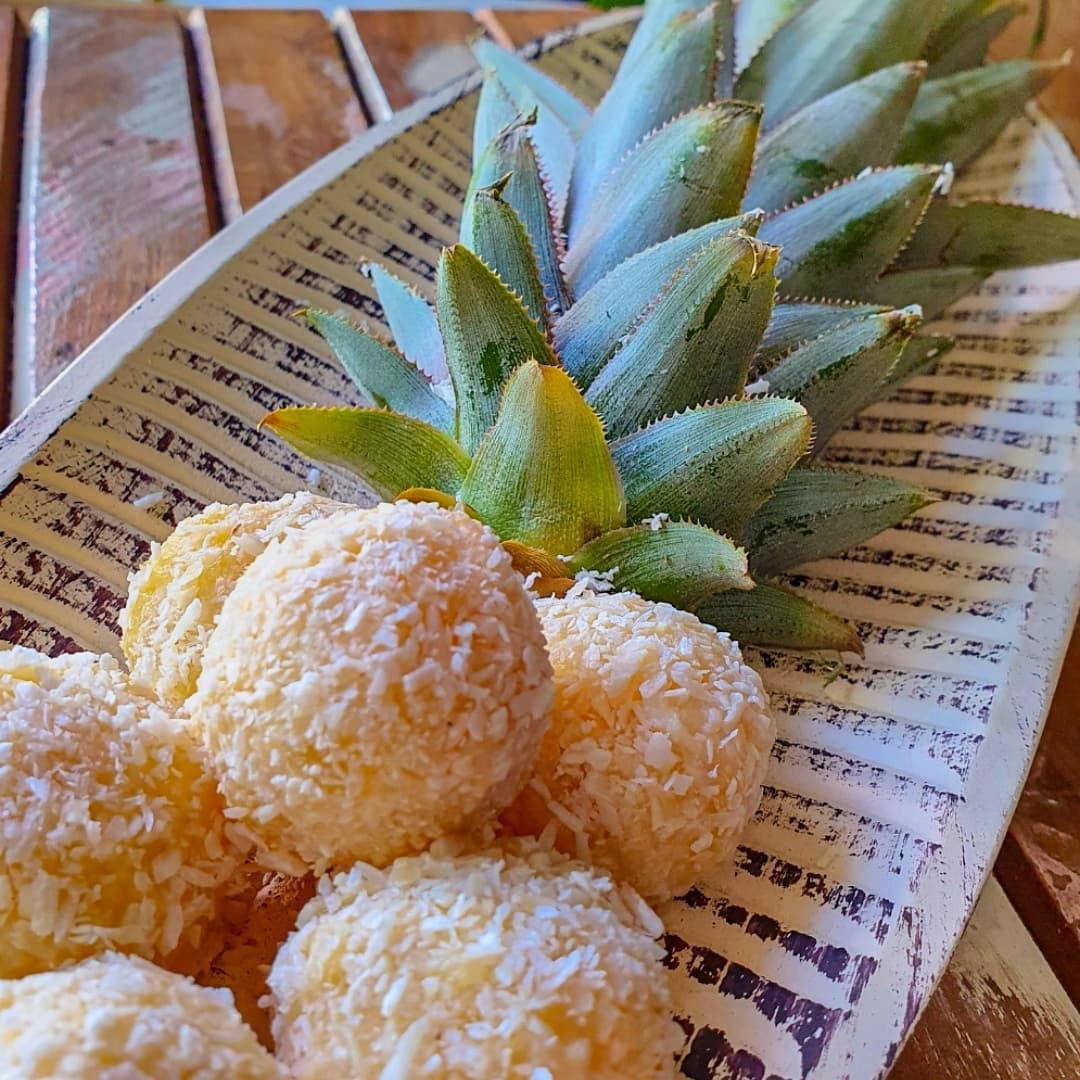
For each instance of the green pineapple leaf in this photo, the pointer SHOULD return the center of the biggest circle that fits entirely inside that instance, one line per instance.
(518, 75)
(817, 512)
(989, 236)
(838, 374)
(674, 562)
(854, 127)
(412, 323)
(543, 474)
(689, 173)
(696, 342)
(597, 323)
(388, 451)
(510, 160)
(771, 616)
(757, 21)
(919, 353)
(499, 109)
(961, 43)
(796, 322)
(836, 243)
(682, 60)
(724, 85)
(488, 334)
(716, 464)
(382, 373)
(830, 43)
(494, 231)
(932, 289)
(956, 117)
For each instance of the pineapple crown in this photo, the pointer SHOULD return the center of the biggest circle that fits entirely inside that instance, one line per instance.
(581, 383)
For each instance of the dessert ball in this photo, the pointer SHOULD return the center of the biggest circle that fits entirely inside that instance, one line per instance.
(375, 681)
(513, 962)
(112, 834)
(175, 597)
(117, 1017)
(658, 742)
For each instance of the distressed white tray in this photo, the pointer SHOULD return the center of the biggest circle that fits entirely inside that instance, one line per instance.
(890, 788)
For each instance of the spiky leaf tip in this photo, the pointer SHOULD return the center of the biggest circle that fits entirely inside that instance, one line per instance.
(836, 243)
(682, 60)
(854, 127)
(933, 290)
(990, 236)
(380, 371)
(817, 512)
(488, 334)
(601, 319)
(830, 43)
(689, 173)
(412, 323)
(696, 342)
(544, 475)
(675, 562)
(388, 451)
(771, 616)
(838, 374)
(956, 117)
(715, 464)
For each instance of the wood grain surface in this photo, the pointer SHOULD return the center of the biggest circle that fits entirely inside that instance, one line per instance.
(113, 186)
(12, 63)
(998, 1012)
(519, 27)
(416, 52)
(286, 94)
(117, 196)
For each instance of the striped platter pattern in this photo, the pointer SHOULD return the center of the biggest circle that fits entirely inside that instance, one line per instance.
(891, 784)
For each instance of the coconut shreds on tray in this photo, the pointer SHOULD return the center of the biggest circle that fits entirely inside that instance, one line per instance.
(477, 965)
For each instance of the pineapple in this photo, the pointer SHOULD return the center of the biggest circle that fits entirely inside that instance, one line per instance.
(623, 371)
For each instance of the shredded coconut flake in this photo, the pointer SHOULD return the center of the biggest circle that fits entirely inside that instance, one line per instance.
(84, 1020)
(151, 498)
(657, 746)
(485, 949)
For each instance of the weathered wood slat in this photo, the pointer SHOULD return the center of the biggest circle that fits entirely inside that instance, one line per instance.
(1039, 863)
(113, 192)
(12, 47)
(998, 1010)
(286, 93)
(416, 52)
(521, 26)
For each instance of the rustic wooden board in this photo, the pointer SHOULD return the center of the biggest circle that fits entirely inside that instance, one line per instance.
(1061, 98)
(518, 27)
(998, 1012)
(12, 47)
(416, 52)
(113, 192)
(1039, 863)
(285, 91)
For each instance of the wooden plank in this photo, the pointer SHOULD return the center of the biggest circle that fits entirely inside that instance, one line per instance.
(998, 1011)
(413, 53)
(113, 188)
(286, 93)
(12, 48)
(1061, 99)
(1039, 863)
(518, 27)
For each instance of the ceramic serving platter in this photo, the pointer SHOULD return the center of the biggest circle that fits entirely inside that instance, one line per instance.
(891, 785)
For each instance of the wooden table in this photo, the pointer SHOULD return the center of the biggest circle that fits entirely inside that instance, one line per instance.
(128, 137)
